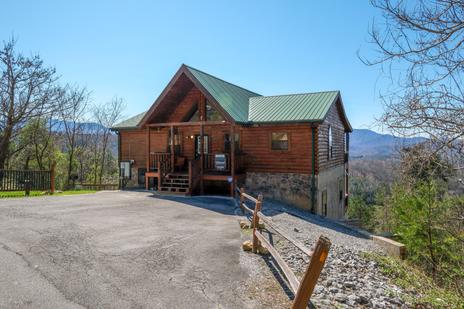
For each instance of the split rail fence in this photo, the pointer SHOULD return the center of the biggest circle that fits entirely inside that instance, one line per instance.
(302, 289)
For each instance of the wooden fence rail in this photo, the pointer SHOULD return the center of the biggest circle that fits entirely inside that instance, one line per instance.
(302, 289)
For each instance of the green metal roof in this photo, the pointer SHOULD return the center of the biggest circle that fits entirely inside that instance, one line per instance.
(311, 107)
(249, 107)
(129, 123)
(233, 99)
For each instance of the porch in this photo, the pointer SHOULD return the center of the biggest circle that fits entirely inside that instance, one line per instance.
(197, 152)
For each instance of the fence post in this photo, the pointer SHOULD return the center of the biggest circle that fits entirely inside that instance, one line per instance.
(27, 186)
(52, 178)
(306, 287)
(242, 199)
(255, 222)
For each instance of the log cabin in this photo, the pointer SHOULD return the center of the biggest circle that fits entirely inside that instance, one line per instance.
(204, 135)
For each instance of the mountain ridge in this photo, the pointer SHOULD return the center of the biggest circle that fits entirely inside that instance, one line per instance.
(365, 143)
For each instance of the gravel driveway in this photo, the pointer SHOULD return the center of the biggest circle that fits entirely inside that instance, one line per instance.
(120, 250)
(348, 279)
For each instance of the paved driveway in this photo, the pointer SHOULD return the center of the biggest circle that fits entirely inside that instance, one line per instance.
(120, 250)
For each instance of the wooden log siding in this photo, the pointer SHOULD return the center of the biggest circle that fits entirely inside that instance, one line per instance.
(185, 107)
(133, 144)
(256, 144)
(338, 131)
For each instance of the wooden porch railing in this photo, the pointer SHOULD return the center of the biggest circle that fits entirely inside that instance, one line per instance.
(160, 158)
(210, 162)
(163, 160)
(302, 289)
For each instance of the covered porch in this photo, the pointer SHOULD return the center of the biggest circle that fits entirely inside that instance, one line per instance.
(195, 152)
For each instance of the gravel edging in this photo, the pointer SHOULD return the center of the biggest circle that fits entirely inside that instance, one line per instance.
(349, 279)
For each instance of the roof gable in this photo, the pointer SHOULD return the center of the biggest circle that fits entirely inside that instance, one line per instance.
(233, 99)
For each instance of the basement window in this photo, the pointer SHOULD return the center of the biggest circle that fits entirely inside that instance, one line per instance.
(279, 141)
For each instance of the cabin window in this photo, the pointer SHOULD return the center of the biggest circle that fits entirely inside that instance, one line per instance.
(177, 143)
(237, 142)
(279, 141)
(198, 145)
(330, 155)
(212, 114)
(227, 142)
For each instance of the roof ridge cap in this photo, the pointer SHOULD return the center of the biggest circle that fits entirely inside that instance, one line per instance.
(291, 94)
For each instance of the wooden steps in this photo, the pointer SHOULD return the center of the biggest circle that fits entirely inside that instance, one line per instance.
(175, 184)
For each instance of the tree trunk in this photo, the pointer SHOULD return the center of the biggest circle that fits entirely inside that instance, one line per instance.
(5, 145)
(26, 164)
(71, 157)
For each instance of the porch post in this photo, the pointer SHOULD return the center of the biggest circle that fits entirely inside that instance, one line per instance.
(147, 186)
(172, 149)
(202, 159)
(232, 160)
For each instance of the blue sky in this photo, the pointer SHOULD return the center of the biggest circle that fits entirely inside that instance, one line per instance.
(131, 49)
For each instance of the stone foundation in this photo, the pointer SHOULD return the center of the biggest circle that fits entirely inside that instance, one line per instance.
(294, 189)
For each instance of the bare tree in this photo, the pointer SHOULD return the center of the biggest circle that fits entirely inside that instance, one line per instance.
(27, 90)
(420, 46)
(106, 116)
(36, 142)
(73, 107)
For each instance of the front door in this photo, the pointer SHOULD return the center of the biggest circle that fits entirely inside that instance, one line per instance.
(198, 145)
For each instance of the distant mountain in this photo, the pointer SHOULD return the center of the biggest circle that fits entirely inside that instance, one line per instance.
(59, 126)
(369, 144)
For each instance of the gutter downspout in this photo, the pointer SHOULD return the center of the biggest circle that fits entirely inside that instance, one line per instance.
(313, 169)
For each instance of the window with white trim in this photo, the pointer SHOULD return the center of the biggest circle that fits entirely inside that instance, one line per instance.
(279, 141)
(330, 154)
